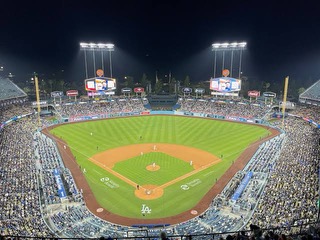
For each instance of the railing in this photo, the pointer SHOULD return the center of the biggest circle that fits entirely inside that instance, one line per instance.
(294, 231)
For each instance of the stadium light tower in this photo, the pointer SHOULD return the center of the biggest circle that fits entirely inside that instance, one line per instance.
(228, 47)
(97, 47)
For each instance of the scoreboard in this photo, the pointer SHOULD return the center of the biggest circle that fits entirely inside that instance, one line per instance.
(225, 84)
(100, 84)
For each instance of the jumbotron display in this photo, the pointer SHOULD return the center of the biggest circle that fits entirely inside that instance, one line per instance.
(225, 84)
(100, 84)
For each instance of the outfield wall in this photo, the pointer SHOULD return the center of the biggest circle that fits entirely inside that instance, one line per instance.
(76, 118)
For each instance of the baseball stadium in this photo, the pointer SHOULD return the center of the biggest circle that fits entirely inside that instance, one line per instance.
(135, 166)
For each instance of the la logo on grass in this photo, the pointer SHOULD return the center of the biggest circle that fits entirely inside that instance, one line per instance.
(145, 209)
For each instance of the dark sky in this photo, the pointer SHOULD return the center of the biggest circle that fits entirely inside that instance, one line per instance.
(283, 37)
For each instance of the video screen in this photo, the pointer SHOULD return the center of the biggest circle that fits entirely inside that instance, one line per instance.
(100, 84)
(225, 84)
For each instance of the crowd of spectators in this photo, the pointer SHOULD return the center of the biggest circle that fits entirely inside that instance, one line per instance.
(292, 189)
(47, 160)
(226, 214)
(15, 108)
(116, 105)
(223, 108)
(20, 212)
(308, 111)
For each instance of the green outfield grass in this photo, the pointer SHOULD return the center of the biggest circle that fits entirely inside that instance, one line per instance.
(229, 139)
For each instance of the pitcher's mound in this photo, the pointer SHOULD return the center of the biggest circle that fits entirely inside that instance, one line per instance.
(148, 192)
(153, 167)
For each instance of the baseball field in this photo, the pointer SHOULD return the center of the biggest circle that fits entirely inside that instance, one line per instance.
(153, 167)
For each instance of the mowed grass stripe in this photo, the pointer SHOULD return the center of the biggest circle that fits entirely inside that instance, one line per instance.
(216, 137)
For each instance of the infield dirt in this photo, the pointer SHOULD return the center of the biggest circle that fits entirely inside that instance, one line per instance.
(197, 158)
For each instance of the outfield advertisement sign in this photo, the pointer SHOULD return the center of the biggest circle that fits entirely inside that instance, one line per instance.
(56, 94)
(145, 113)
(100, 93)
(78, 118)
(42, 103)
(72, 93)
(188, 113)
(187, 90)
(126, 90)
(229, 94)
(254, 93)
(199, 90)
(138, 90)
(215, 116)
(199, 114)
(61, 190)
(233, 118)
(162, 112)
(84, 118)
(269, 94)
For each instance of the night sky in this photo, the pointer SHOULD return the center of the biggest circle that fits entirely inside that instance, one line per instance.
(283, 38)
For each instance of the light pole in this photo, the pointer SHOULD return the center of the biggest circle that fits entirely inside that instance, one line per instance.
(110, 48)
(97, 47)
(228, 47)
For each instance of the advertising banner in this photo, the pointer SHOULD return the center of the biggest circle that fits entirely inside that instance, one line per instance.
(188, 113)
(138, 90)
(42, 103)
(72, 93)
(234, 118)
(232, 94)
(254, 93)
(199, 90)
(126, 90)
(145, 113)
(187, 90)
(100, 93)
(269, 94)
(56, 94)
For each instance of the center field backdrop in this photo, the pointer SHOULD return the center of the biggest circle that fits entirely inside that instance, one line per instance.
(226, 140)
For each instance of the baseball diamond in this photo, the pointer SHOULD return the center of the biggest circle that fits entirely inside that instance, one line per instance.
(155, 169)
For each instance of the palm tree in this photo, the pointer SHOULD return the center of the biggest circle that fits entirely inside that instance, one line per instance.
(266, 86)
(62, 84)
(50, 82)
